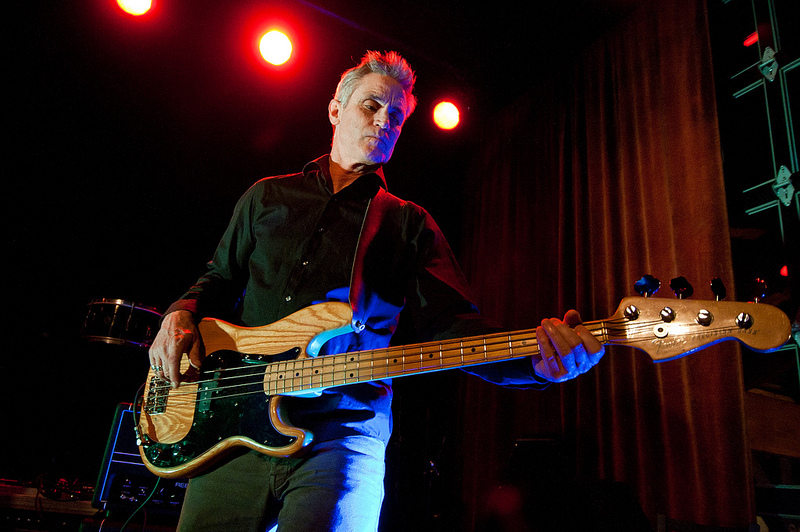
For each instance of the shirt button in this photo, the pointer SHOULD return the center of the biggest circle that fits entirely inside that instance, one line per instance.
(288, 298)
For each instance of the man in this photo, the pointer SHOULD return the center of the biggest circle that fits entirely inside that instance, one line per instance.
(332, 232)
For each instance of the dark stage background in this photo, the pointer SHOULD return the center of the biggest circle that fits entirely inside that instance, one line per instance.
(129, 141)
(585, 159)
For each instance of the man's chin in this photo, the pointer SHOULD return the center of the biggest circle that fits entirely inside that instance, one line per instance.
(378, 157)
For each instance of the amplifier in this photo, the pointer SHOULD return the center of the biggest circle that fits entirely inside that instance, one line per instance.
(124, 481)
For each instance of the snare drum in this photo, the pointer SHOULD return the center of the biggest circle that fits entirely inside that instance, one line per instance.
(115, 321)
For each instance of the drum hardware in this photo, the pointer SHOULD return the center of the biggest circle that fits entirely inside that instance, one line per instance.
(120, 322)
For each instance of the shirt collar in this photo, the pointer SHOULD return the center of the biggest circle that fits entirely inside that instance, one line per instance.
(322, 164)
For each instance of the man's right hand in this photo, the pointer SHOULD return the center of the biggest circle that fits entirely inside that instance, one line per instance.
(178, 336)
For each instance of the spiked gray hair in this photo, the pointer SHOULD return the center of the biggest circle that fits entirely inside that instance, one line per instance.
(388, 64)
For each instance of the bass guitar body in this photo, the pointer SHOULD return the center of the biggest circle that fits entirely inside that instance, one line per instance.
(225, 406)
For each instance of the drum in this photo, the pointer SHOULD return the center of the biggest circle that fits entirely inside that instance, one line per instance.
(115, 321)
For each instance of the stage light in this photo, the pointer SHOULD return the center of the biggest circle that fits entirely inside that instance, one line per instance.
(275, 47)
(751, 39)
(446, 115)
(135, 7)
(785, 271)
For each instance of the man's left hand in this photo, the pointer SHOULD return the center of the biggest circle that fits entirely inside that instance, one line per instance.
(566, 348)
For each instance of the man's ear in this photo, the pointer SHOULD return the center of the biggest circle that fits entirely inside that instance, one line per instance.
(333, 111)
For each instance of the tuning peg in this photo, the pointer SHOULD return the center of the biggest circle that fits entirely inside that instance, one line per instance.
(647, 286)
(759, 289)
(718, 289)
(681, 287)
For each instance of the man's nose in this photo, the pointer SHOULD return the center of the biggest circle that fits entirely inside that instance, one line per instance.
(382, 119)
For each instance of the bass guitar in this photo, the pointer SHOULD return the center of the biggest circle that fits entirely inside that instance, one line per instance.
(234, 401)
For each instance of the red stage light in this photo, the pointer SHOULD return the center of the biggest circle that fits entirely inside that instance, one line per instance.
(135, 7)
(751, 39)
(446, 115)
(785, 271)
(275, 47)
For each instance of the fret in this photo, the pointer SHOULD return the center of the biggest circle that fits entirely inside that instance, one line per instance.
(412, 362)
(366, 371)
(396, 363)
(524, 344)
(273, 379)
(286, 372)
(473, 351)
(328, 364)
(277, 378)
(317, 375)
(339, 370)
(307, 375)
(380, 364)
(431, 358)
(288, 376)
(298, 378)
(450, 355)
(350, 368)
(358, 368)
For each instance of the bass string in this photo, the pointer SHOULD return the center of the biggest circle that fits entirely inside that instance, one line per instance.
(225, 385)
(404, 352)
(451, 361)
(635, 332)
(332, 367)
(286, 383)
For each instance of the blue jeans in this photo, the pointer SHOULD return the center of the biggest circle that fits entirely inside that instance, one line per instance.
(338, 486)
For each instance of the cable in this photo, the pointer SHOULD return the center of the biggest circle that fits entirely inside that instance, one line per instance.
(141, 506)
(158, 479)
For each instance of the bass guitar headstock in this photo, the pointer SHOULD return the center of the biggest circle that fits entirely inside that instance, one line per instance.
(672, 328)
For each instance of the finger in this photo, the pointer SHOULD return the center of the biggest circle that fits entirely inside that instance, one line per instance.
(197, 353)
(184, 341)
(594, 350)
(172, 368)
(593, 346)
(155, 355)
(559, 334)
(550, 362)
(582, 361)
(572, 318)
(567, 344)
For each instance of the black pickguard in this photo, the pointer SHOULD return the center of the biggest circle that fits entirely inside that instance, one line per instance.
(230, 403)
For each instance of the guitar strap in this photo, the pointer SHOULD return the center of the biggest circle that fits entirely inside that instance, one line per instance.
(362, 301)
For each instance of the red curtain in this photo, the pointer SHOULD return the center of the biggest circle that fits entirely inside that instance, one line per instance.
(606, 172)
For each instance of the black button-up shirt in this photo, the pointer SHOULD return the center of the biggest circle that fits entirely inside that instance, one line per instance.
(292, 243)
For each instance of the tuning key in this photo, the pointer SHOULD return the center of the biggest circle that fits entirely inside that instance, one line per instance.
(681, 287)
(704, 317)
(759, 289)
(647, 286)
(718, 289)
(744, 320)
(631, 312)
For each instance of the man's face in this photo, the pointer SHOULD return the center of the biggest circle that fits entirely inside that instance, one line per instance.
(367, 129)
